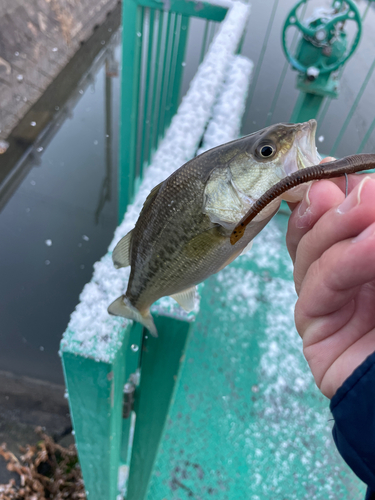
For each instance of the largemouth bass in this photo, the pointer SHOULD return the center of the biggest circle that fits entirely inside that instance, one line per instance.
(182, 235)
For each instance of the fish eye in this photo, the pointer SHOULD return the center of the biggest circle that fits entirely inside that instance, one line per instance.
(267, 151)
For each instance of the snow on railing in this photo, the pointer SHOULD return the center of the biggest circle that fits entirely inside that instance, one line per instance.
(92, 332)
(225, 124)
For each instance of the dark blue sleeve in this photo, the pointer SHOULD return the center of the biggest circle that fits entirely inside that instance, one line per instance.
(353, 410)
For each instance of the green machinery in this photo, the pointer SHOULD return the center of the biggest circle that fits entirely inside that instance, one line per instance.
(220, 407)
(323, 49)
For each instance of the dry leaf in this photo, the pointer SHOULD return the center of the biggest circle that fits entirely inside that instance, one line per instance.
(47, 470)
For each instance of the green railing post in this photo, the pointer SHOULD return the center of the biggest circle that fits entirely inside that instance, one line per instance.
(132, 363)
(147, 91)
(306, 107)
(132, 46)
(164, 81)
(175, 96)
(161, 359)
(155, 100)
(153, 84)
(95, 398)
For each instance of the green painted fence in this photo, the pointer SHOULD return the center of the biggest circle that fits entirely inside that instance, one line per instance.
(154, 45)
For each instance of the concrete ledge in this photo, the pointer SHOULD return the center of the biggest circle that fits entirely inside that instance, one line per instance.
(37, 39)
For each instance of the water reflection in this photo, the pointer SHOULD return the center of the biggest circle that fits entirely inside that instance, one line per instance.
(111, 71)
(59, 211)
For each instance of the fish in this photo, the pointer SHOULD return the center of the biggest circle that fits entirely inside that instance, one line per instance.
(182, 235)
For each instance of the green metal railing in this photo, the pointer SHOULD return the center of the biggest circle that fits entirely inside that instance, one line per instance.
(154, 46)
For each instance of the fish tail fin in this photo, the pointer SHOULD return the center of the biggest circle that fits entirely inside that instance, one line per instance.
(122, 307)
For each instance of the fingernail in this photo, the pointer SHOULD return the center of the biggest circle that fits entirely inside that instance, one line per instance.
(369, 232)
(354, 198)
(304, 213)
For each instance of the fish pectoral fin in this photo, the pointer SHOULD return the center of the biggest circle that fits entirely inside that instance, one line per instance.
(186, 298)
(121, 253)
(247, 247)
(122, 307)
(198, 247)
(222, 202)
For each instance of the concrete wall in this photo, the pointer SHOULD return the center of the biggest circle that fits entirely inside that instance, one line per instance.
(37, 39)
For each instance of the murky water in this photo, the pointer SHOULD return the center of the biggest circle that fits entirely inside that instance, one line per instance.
(58, 222)
(63, 210)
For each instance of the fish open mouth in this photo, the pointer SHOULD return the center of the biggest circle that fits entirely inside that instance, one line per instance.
(307, 154)
(303, 154)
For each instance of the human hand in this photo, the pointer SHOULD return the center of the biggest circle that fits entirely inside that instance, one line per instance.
(331, 241)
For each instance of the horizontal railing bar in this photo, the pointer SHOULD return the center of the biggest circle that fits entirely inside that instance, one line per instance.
(203, 10)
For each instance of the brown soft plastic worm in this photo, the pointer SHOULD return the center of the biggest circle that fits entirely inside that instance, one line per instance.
(348, 165)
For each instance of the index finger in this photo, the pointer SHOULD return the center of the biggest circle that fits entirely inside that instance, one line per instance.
(292, 206)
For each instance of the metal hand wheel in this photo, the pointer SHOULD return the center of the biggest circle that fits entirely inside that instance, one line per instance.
(322, 31)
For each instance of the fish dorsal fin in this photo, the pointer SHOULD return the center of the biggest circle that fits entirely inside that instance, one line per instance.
(154, 191)
(121, 253)
(247, 247)
(186, 298)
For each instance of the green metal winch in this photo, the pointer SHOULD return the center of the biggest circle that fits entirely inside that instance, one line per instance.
(322, 50)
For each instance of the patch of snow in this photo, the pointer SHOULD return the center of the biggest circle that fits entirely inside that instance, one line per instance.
(242, 289)
(225, 124)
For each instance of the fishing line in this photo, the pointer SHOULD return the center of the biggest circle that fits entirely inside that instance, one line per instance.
(346, 185)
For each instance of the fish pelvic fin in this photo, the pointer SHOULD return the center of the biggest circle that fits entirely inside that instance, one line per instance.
(247, 248)
(122, 307)
(186, 299)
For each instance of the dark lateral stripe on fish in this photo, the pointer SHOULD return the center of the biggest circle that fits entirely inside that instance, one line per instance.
(337, 168)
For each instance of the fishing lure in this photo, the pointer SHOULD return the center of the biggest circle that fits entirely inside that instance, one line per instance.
(337, 168)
